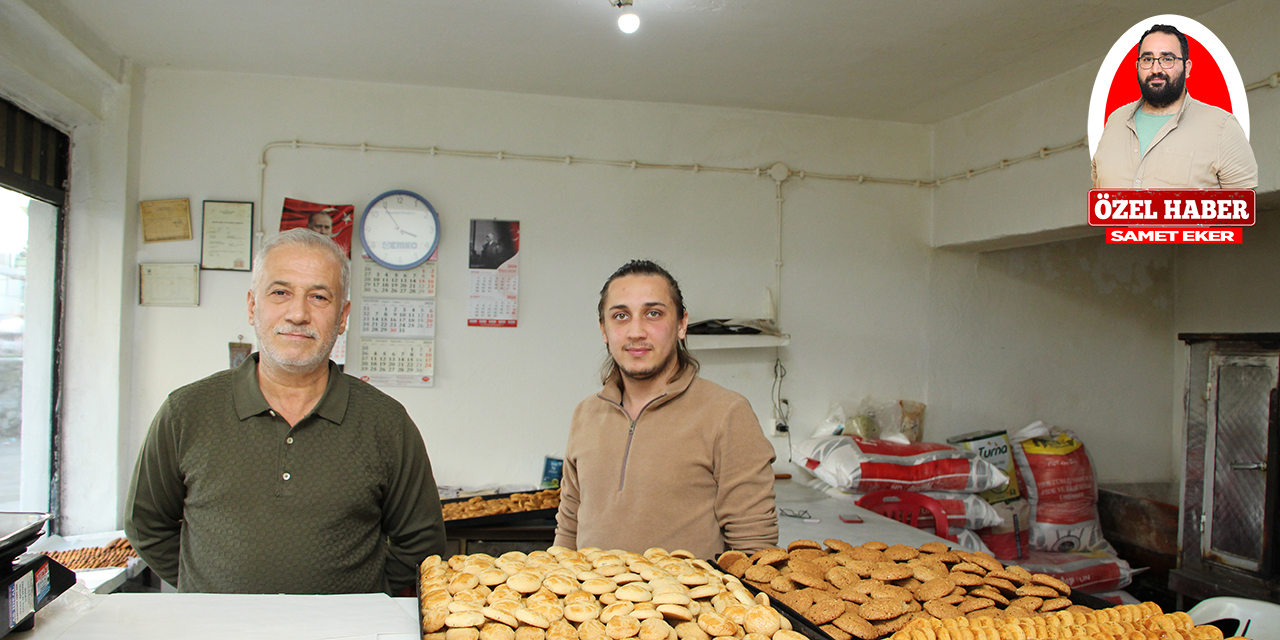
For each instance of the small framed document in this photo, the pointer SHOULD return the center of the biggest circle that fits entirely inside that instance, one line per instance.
(165, 220)
(169, 285)
(227, 238)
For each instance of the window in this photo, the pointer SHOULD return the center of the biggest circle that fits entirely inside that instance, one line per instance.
(27, 230)
(33, 169)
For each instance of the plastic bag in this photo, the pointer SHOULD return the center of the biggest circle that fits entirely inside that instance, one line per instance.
(858, 465)
(912, 422)
(834, 424)
(875, 420)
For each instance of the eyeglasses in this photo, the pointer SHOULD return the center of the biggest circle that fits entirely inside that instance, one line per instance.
(794, 514)
(1165, 61)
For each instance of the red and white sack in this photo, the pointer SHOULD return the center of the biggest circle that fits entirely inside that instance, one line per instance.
(1057, 480)
(857, 465)
(1009, 539)
(964, 510)
(1089, 572)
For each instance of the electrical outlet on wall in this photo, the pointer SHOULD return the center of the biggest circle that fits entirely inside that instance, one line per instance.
(778, 427)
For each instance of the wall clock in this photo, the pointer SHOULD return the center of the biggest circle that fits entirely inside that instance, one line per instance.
(399, 230)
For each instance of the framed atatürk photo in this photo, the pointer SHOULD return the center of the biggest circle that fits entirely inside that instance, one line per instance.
(227, 238)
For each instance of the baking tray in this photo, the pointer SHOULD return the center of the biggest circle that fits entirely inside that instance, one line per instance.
(810, 630)
(18, 531)
(497, 518)
(799, 623)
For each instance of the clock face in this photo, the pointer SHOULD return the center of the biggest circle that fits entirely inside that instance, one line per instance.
(399, 230)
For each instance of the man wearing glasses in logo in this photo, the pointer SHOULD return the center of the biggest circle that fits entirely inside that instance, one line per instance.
(1167, 139)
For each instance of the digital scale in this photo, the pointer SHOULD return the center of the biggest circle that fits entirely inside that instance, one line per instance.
(27, 585)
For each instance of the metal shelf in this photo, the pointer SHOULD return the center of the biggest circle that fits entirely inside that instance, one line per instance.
(698, 342)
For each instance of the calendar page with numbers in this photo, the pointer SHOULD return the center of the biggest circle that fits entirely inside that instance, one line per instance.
(494, 273)
(397, 362)
(395, 323)
(419, 281)
(339, 353)
(398, 317)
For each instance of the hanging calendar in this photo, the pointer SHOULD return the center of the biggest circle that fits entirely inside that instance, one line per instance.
(494, 273)
(397, 325)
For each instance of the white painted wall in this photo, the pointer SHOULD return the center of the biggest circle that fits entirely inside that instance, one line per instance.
(1074, 333)
(1031, 201)
(96, 349)
(854, 282)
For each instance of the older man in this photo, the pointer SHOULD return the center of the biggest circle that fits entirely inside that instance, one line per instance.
(661, 457)
(284, 475)
(1167, 139)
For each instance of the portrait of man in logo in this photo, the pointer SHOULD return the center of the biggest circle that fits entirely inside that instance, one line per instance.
(1168, 111)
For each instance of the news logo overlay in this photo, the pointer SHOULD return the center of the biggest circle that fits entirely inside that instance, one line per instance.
(1170, 216)
(1173, 216)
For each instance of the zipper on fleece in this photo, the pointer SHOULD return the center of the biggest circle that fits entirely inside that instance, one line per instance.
(631, 432)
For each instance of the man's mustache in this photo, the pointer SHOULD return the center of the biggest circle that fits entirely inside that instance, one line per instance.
(289, 327)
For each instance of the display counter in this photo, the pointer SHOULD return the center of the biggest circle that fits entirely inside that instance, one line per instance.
(168, 616)
(206, 616)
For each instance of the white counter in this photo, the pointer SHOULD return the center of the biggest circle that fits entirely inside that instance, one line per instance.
(794, 496)
(206, 616)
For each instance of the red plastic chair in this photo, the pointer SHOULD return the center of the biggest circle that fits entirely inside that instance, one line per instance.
(907, 507)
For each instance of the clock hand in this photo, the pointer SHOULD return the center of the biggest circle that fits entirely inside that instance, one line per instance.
(393, 218)
(408, 234)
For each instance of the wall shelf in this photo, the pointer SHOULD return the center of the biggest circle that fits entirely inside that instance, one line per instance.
(699, 342)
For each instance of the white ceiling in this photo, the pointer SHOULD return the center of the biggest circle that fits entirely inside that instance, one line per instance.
(903, 60)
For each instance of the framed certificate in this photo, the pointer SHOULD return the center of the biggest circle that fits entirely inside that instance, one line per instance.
(165, 220)
(227, 239)
(169, 285)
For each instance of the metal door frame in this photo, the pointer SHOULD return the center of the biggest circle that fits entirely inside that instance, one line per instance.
(1216, 361)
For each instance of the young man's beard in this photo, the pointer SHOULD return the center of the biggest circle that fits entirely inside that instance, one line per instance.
(647, 374)
(1166, 95)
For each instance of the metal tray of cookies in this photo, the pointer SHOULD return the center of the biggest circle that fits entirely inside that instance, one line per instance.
(812, 631)
(799, 623)
(497, 518)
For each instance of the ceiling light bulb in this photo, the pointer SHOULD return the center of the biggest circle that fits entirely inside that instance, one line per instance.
(629, 22)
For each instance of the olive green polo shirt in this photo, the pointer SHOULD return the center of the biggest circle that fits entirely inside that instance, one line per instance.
(227, 497)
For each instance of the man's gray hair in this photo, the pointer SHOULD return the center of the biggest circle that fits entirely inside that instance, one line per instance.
(303, 237)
